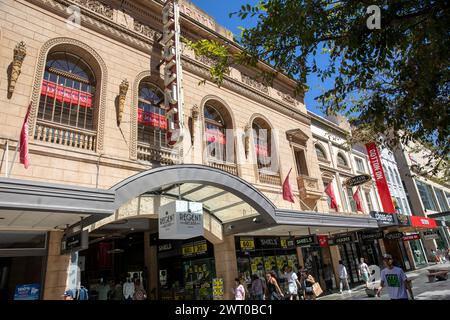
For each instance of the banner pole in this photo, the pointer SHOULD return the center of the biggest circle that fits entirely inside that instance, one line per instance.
(14, 157)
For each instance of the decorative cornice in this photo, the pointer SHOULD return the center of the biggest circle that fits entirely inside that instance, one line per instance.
(255, 83)
(241, 88)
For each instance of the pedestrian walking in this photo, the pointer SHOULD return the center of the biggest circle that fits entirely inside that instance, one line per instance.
(308, 281)
(273, 288)
(343, 277)
(258, 288)
(396, 281)
(293, 283)
(363, 272)
(239, 291)
(328, 277)
(139, 291)
(128, 289)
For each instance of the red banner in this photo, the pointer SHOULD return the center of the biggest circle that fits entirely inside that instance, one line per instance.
(215, 136)
(411, 237)
(68, 95)
(330, 192)
(261, 150)
(380, 178)
(151, 119)
(423, 222)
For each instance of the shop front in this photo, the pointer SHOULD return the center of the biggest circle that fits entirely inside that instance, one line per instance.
(370, 247)
(23, 257)
(186, 269)
(262, 255)
(415, 244)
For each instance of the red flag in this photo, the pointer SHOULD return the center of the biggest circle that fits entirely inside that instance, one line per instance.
(24, 155)
(287, 191)
(329, 191)
(357, 199)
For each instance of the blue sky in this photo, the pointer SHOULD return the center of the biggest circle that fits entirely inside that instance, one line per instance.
(220, 10)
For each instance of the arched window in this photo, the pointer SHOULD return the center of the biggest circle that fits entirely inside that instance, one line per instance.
(341, 160)
(68, 92)
(215, 131)
(320, 152)
(152, 124)
(262, 140)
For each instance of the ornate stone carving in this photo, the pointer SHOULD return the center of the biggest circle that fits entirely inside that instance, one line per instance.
(236, 86)
(97, 7)
(20, 51)
(195, 112)
(255, 83)
(40, 74)
(247, 139)
(123, 89)
(287, 98)
(146, 30)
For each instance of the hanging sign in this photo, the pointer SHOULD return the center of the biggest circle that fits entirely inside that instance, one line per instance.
(287, 243)
(343, 239)
(173, 98)
(75, 242)
(323, 240)
(380, 179)
(430, 235)
(357, 180)
(180, 220)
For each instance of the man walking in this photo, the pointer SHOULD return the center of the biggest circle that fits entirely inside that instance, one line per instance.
(396, 280)
(364, 272)
(343, 277)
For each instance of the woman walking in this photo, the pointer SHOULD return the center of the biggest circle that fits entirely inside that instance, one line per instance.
(275, 292)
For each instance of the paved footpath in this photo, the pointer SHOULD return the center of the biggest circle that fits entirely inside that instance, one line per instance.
(422, 289)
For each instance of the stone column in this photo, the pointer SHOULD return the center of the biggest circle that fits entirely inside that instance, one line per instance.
(226, 264)
(151, 263)
(56, 269)
(335, 257)
(300, 256)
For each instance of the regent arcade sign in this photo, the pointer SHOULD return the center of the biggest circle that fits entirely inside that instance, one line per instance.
(357, 180)
(180, 220)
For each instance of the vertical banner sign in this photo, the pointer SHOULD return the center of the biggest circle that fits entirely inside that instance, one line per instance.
(380, 179)
(173, 98)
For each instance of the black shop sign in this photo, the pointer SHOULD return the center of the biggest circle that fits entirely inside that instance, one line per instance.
(268, 243)
(369, 236)
(396, 235)
(306, 241)
(383, 218)
(343, 239)
(75, 242)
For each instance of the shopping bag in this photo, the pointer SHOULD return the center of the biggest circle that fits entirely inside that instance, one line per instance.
(317, 289)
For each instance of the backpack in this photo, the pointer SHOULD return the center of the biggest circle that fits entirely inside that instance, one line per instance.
(83, 294)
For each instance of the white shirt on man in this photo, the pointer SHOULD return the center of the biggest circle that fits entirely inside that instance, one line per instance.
(394, 280)
(343, 272)
(128, 290)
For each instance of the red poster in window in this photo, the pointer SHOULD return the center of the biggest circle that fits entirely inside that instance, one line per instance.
(261, 150)
(67, 95)
(44, 88)
(154, 119)
(140, 116)
(215, 136)
(74, 97)
(85, 99)
(104, 258)
(59, 93)
(51, 89)
(162, 122)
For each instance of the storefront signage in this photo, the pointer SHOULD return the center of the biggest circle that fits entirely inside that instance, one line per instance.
(410, 237)
(165, 247)
(357, 180)
(287, 243)
(323, 240)
(403, 220)
(268, 243)
(306, 241)
(423, 222)
(430, 235)
(217, 288)
(180, 220)
(172, 71)
(194, 248)
(368, 236)
(247, 244)
(394, 235)
(383, 219)
(27, 292)
(343, 239)
(380, 179)
(75, 242)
